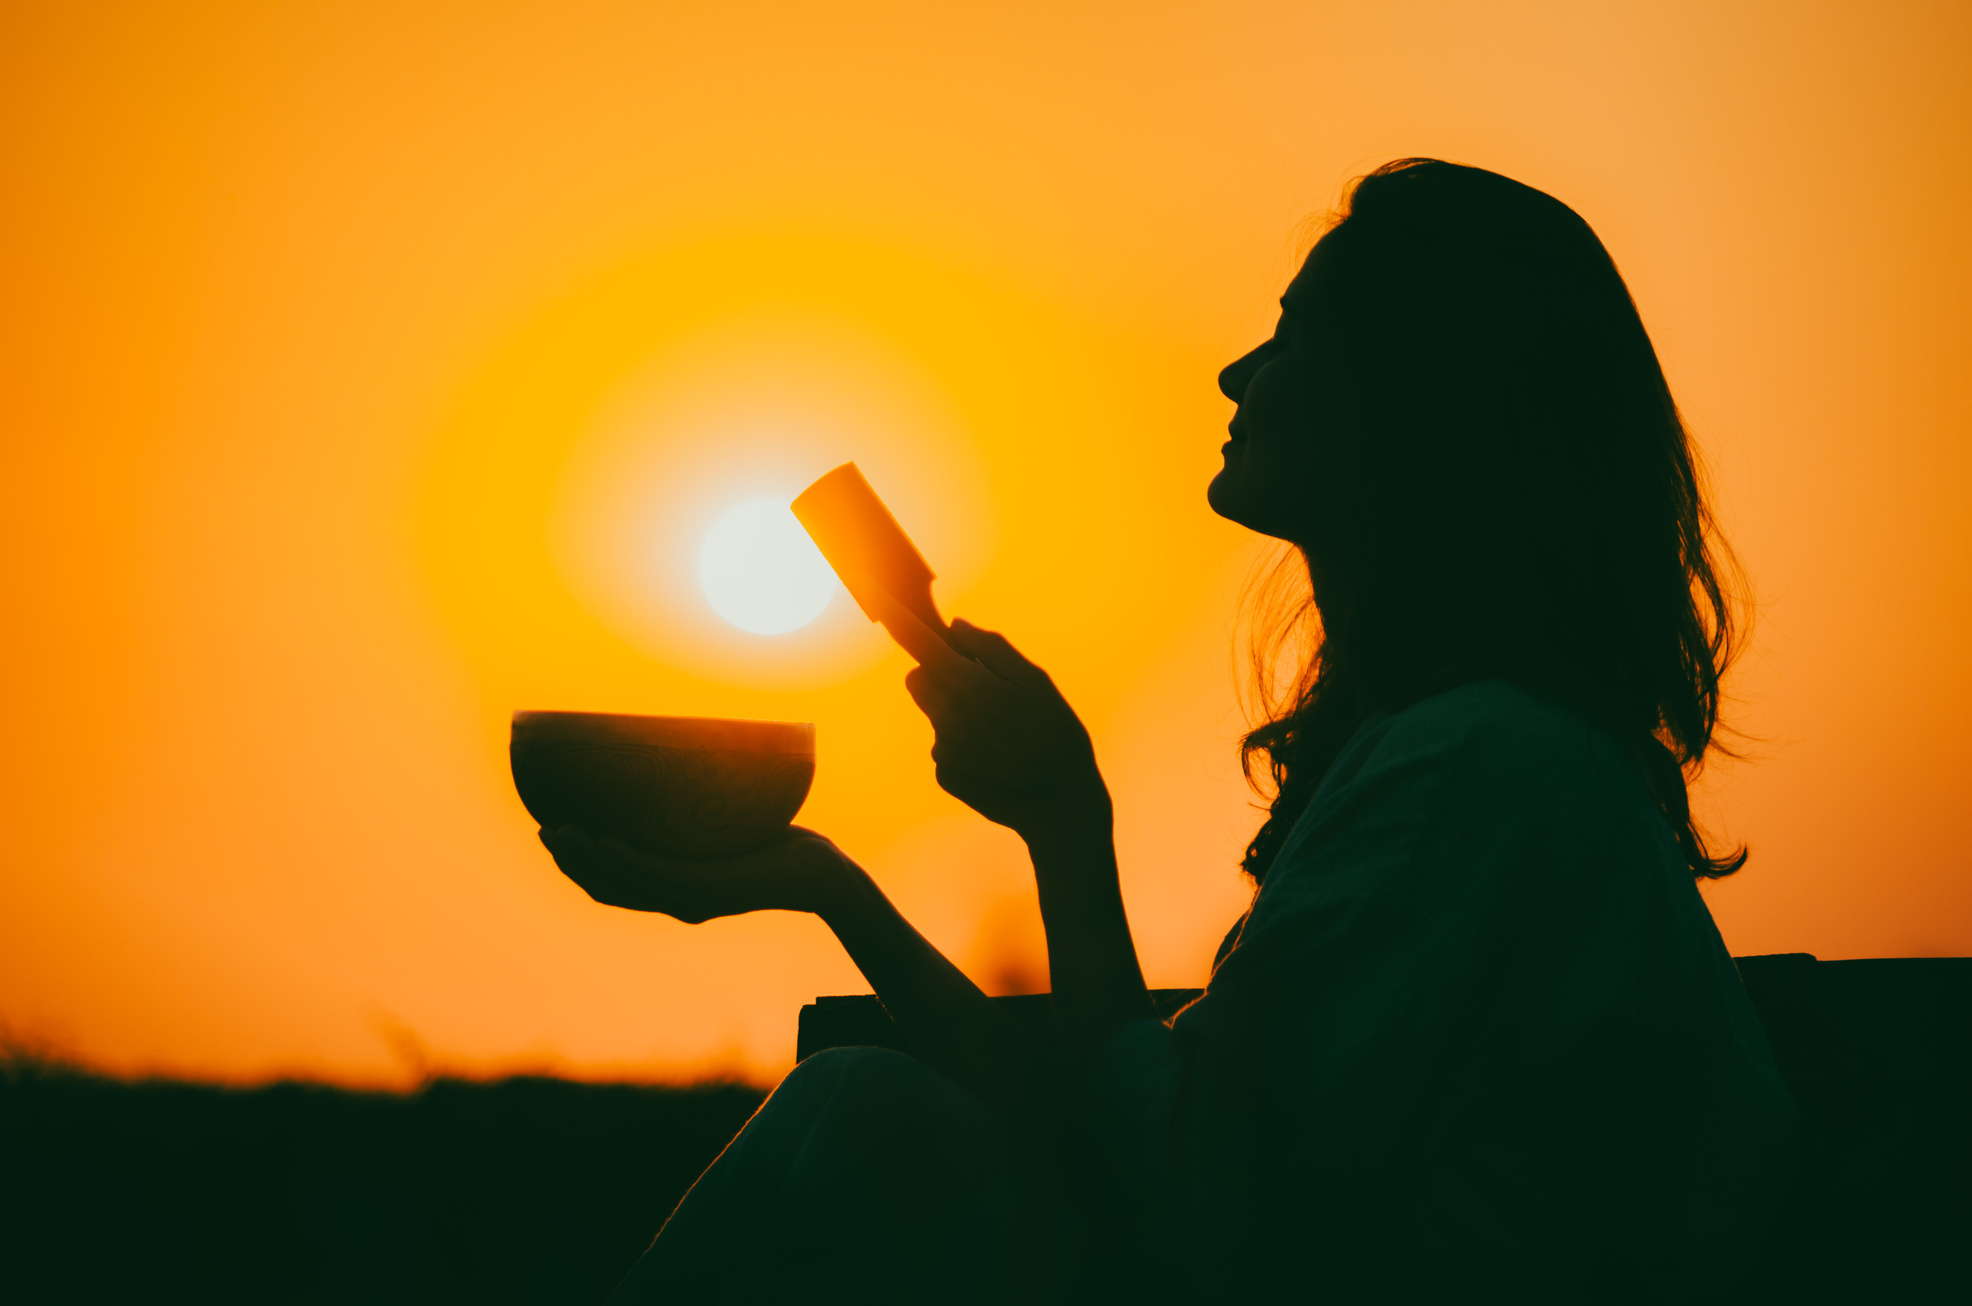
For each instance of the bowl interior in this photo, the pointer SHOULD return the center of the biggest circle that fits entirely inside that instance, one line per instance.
(697, 732)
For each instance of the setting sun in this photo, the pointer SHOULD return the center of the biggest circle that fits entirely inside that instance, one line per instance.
(761, 572)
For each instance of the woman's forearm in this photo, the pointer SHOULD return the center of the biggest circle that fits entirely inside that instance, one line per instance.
(949, 1022)
(1092, 960)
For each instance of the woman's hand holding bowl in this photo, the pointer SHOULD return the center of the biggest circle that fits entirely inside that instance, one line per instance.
(801, 872)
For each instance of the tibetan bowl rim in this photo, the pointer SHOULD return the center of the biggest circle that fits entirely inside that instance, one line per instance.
(698, 733)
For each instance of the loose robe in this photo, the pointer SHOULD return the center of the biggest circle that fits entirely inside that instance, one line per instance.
(1477, 1028)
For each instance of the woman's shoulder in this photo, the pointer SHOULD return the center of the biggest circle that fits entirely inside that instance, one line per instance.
(1490, 728)
(1497, 716)
(1485, 759)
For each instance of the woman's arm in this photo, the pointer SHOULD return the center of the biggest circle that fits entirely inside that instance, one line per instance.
(1092, 960)
(949, 1023)
(1011, 748)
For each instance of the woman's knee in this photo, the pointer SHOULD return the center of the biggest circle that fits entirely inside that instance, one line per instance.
(855, 1090)
(832, 1065)
(836, 1079)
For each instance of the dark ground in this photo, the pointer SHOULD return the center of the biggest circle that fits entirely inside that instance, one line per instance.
(524, 1190)
(541, 1190)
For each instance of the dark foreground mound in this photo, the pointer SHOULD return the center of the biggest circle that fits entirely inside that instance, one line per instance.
(525, 1190)
(540, 1190)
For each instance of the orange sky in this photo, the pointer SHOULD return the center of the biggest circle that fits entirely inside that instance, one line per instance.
(366, 368)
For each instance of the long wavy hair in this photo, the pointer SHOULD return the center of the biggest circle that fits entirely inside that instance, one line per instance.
(1503, 488)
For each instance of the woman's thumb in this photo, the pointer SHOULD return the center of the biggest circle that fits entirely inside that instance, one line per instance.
(992, 651)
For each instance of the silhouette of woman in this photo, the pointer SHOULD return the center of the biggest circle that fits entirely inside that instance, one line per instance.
(1477, 1032)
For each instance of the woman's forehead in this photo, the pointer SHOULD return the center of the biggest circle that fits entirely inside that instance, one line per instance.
(1306, 285)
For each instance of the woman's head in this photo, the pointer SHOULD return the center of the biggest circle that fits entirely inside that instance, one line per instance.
(1463, 425)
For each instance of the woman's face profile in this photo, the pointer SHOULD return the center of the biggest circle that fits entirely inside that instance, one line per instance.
(1269, 461)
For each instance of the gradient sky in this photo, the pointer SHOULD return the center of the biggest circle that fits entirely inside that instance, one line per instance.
(367, 370)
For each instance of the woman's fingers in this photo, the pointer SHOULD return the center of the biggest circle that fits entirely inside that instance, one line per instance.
(617, 875)
(952, 693)
(926, 691)
(580, 856)
(571, 849)
(954, 709)
(575, 854)
(919, 640)
(631, 860)
(679, 872)
(993, 652)
(968, 723)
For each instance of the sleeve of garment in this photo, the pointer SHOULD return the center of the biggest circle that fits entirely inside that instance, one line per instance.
(1477, 979)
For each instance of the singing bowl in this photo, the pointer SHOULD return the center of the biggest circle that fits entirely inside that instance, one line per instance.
(680, 786)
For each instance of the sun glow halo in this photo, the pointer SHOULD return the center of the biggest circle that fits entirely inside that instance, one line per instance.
(761, 572)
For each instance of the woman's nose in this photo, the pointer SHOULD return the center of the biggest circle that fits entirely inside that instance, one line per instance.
(1232, 381)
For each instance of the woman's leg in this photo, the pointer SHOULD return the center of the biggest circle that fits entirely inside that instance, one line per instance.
(867, 1174)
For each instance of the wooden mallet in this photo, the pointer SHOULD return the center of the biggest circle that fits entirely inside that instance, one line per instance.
(868, 549)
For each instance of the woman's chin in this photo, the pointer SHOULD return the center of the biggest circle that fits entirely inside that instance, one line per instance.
(1223, 497)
